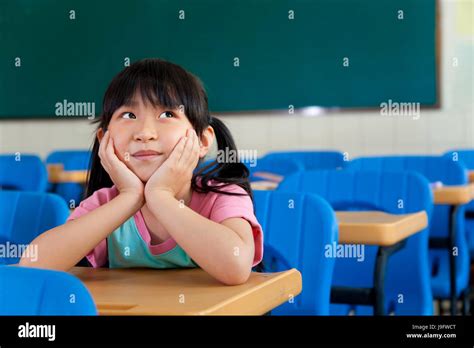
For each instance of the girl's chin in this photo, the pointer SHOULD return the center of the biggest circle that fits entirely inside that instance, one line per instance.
(145, 173)
(144, 176)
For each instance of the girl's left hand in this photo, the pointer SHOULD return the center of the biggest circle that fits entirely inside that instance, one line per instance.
(177, 170)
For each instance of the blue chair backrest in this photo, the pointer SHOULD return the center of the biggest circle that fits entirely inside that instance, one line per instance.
(24, 172)
(311, 160)
(25, 215)
(393, 192)
(298, 228)
(71, 160)
(434, 168)
(31, 291)
(464, 155)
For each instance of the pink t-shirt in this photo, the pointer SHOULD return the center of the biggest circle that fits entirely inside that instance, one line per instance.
(214, 206)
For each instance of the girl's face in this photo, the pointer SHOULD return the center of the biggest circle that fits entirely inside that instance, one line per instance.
(143, 127)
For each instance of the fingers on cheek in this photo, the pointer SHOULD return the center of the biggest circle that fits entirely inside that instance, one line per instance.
(191, 142)
(197, 146)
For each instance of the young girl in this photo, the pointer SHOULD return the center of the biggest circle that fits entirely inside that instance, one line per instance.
(146, 205)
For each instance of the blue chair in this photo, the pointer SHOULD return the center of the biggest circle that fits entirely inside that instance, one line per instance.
(71, 160)
(23, 173)
(408, 269)
(298, 227)
(436, 169)
(25, 215)
(467, 158)
(31, 291)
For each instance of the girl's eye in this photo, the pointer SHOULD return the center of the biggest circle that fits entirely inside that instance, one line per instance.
(166, 114)
(130, 115)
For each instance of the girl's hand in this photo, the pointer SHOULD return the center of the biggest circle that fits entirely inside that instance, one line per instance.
(123, 178)
(177, 170)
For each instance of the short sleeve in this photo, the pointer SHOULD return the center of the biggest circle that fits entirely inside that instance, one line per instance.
(231, 206)
(97, 256)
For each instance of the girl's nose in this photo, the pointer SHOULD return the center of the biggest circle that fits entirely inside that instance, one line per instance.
(145, 134)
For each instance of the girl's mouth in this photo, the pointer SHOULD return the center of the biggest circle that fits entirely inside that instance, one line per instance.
(146, 155)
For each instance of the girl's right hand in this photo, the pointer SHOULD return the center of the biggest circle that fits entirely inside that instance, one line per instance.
(124, 179)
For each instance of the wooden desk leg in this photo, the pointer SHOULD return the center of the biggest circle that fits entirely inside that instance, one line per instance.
(379, 275)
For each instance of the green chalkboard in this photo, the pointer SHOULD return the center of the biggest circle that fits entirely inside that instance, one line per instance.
(250, 54)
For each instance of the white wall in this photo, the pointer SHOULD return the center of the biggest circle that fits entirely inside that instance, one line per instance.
(361, 133)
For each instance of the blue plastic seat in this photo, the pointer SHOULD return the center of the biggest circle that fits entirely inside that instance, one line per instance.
(298, 227)
(467, 158)
(25, 215)
(24, 172)
(436, 169)
(396, 193)
(31, 291)
(71, 160)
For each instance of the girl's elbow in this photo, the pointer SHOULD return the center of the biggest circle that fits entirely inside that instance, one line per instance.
(237, 276)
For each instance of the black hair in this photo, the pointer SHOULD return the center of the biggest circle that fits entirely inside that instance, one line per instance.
(169, 85)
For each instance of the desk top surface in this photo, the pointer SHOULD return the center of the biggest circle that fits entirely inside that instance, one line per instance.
(57, 174)
(454, 195)
(377, 227)
(185, 291)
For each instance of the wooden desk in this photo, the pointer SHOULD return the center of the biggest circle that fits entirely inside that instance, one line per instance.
(378, 228)
(389, 232)
(185, 291)
(57, 174)
(454, 195)
(269, 176)
(264, 185)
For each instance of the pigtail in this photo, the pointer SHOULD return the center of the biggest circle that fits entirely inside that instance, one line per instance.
(97, 178)
(225, 173)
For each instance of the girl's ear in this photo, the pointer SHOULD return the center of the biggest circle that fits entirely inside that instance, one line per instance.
(100, 134)
(206, 141)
